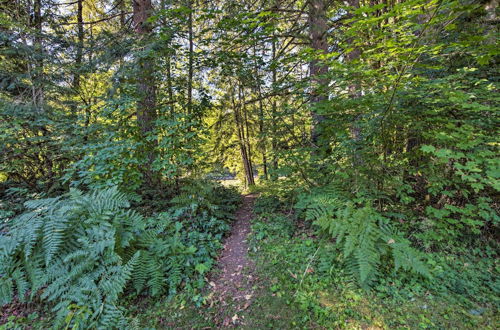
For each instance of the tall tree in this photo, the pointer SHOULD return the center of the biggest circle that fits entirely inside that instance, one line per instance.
(318, 28)
(243, 142)
(146, 87)
(37, 76)
(274, 110)
(262, 141)
(354, 92)
(190, 58)
(79, 45)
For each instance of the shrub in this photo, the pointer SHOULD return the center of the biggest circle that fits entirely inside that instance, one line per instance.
(82, 251)
(364, 234)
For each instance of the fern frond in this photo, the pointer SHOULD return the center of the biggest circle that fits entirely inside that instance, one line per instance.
(363, 233)
(6, 290)
(81, 251)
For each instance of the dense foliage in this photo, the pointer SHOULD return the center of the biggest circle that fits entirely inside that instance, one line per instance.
(375, 122)
(311, 277)
(85, 250)
(366, 236)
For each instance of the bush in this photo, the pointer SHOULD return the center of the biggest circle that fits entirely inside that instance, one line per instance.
(365, 235)
(267, 204)
(273, 225)
(82, 251)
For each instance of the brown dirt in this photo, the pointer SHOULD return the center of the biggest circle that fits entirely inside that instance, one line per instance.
(232, 290)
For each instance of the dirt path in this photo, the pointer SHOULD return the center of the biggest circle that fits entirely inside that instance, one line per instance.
(232, 286)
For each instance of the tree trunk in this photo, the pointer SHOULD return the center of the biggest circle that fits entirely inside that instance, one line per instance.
(262, 140)
(38, 92)
(79, 46)
(318, 29)
(190, 69)
(246, 129)
(245, 156)
(245, 132)
(122, 13)
(170, 88)
(169, 85)
(354, 92)
(274, 143)
(146, 88)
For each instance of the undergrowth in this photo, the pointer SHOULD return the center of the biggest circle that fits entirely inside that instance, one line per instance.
(82, 253)
(307, 270)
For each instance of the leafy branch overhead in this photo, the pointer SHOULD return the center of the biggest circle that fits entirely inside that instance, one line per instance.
(369, 127)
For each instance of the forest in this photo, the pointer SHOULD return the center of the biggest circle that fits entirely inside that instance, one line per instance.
(250, 164)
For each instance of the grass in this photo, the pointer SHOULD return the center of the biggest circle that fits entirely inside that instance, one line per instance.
(306, 276)
(179, 313)
(301, 284)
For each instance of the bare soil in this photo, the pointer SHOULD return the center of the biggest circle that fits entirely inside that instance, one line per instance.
(232, 284)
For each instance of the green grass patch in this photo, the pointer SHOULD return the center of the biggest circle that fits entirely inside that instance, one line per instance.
(177, 313)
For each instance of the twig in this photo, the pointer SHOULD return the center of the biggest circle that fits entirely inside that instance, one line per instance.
(305, 271)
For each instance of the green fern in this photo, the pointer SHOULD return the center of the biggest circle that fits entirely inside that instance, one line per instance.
(81, 251)
(84, 250)
(364, 235)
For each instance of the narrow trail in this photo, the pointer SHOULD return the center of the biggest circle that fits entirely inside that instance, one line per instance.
(232, 285)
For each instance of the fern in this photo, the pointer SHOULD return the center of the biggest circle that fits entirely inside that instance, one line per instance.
(175, 273)
(81, 251)
(6, 290)
(84, 250)
(364, 235)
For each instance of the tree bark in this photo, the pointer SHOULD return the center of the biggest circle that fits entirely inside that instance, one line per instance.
(190, 68)
(318, 29)
(79, 46)
(38, 90)
(146, 88)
